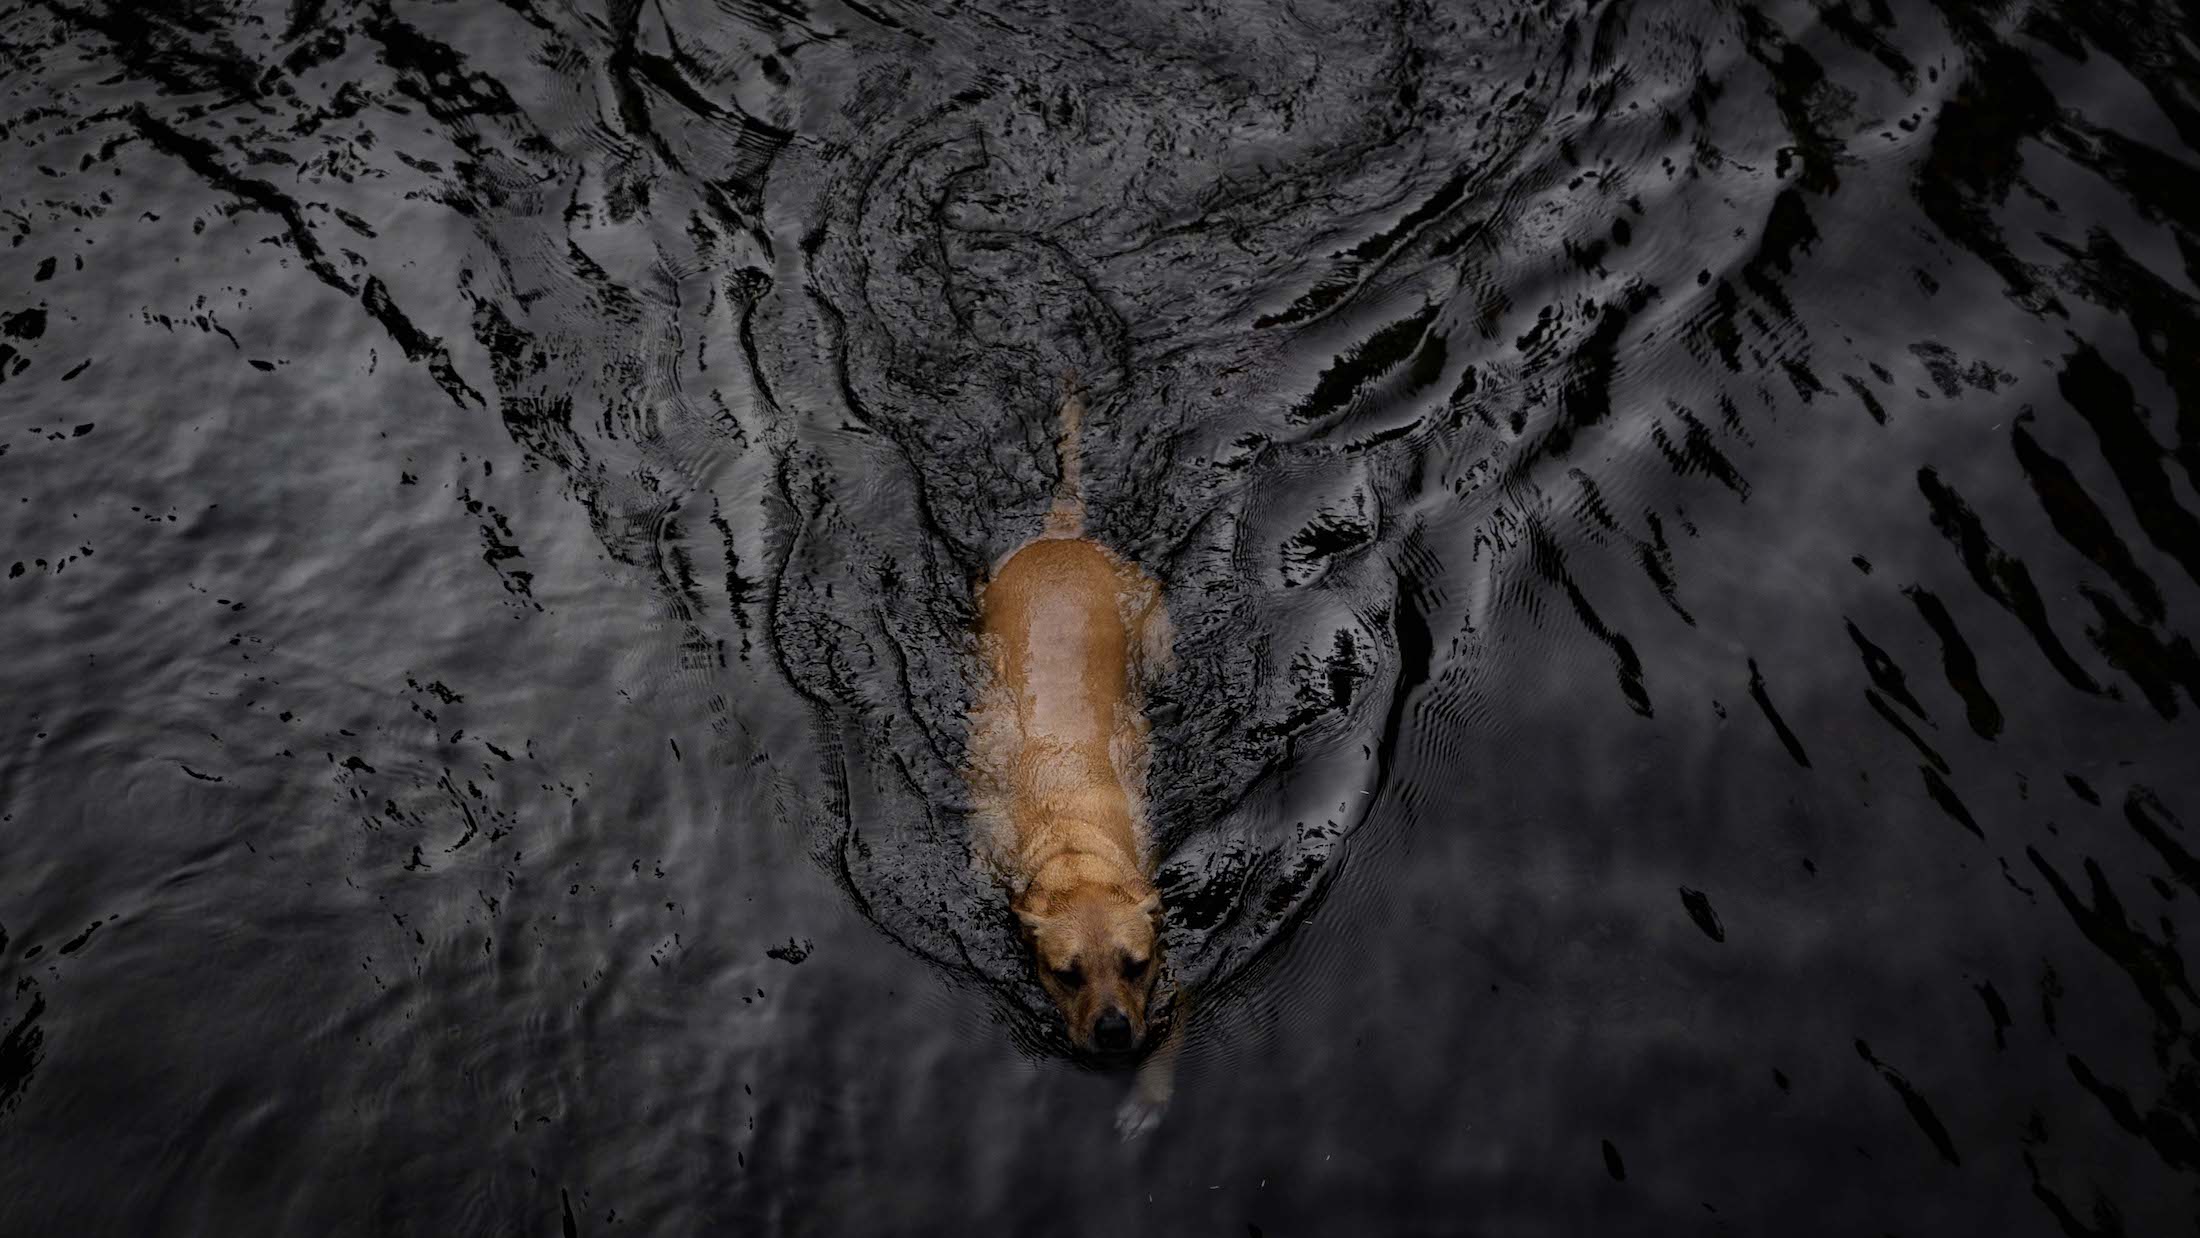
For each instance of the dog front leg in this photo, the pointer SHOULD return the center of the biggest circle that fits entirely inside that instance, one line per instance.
(1155, 1085)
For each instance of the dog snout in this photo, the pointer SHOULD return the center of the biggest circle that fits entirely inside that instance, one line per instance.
(1112, 1031)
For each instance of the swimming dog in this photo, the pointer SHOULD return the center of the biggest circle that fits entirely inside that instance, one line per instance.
(1068, 633)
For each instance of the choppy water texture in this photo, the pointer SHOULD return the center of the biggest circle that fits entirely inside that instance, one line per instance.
(1683, 523)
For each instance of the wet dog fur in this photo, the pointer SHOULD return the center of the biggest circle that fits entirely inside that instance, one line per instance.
(1067, 631)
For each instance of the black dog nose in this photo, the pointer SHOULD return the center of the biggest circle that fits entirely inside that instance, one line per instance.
(1112, 1031)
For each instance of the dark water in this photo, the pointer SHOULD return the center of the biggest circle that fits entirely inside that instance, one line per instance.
(1683, 522)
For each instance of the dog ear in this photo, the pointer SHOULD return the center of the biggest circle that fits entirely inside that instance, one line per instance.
(1030, 909)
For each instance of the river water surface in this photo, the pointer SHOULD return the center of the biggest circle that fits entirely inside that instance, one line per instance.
(1682, 522)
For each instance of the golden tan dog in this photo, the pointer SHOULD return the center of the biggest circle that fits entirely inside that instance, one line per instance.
(1067, 629)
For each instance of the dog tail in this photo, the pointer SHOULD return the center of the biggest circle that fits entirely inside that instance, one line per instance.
(1067, 517)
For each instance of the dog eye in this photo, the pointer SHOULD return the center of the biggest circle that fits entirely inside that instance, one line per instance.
(1134, 969)
(1069, 977)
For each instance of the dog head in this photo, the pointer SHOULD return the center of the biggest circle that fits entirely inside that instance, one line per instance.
(1097, 947)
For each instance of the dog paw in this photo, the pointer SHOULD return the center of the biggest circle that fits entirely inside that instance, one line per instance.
(1140, 1114)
